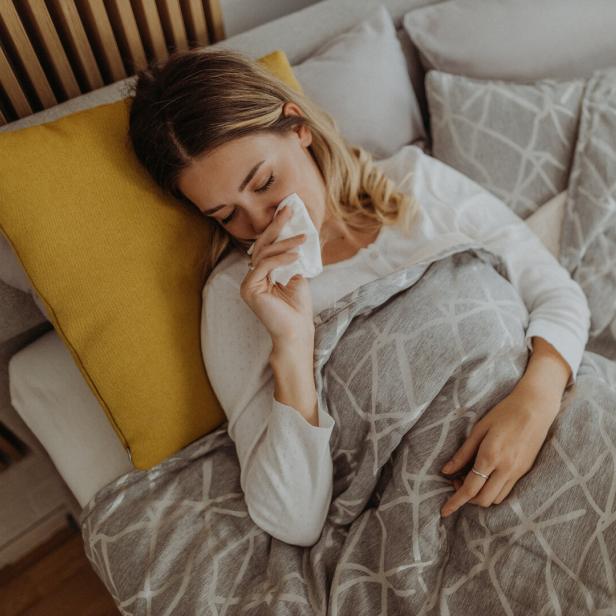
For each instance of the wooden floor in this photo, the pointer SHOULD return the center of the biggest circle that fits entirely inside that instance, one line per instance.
(55, 579)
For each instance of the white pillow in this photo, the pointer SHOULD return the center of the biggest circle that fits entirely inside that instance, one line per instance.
(362, 79)
(52, 397)
(515, 40)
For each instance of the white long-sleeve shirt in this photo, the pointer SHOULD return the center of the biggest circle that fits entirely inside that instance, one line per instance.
(286, 466)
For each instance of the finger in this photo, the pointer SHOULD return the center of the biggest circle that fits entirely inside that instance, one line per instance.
(504, 491)
(469, 488)
(271, 232)
(277, 248)
(491, 488)
(280, 246)
(466, 453)
(266, 265)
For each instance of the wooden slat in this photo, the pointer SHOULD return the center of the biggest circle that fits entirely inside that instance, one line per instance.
(213, 14)
(94, 14)
(78, 38)
(41, 21)
(150, 27)
(12, 88)
(171, 18)
(123, 20)
(78, 41)
(196, 26)
(31, 64)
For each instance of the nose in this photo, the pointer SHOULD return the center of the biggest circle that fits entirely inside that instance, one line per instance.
(261, 217)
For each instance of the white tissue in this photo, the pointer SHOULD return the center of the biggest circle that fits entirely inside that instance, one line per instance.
(308, 263)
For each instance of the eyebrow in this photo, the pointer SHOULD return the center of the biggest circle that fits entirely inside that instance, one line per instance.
(245, 181)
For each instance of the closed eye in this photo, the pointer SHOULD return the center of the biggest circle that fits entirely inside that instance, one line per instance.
(262, 189)
(267, 184)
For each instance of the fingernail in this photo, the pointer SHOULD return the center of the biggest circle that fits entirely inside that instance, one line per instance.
(446, 512)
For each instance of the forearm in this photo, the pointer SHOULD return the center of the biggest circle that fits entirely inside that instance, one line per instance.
(292, 367)
(546, 370)
(290, 479)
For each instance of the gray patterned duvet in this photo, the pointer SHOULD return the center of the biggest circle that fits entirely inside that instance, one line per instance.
(406, 364)
(588, 241)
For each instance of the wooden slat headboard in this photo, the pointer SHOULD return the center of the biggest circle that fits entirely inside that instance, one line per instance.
(54, 50)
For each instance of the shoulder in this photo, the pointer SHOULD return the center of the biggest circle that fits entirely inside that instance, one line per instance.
(423, 174)
(226, 276)
(401, 166)
(227, 322)
(234, 342)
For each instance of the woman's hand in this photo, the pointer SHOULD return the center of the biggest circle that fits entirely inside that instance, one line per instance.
(507, 440)
(286, 311)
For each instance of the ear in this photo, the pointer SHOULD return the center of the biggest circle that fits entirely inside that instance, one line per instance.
(290, 108)
(304, 133)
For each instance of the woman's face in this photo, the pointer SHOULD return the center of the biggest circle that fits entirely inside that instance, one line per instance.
(240, 183)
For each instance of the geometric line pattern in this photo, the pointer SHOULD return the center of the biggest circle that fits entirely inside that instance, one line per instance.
(588, 241)
(406, 365)
(516, 140)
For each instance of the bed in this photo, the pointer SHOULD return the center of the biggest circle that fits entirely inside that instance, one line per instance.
(48, 392)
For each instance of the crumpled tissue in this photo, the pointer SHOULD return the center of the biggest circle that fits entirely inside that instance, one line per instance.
(309, 262)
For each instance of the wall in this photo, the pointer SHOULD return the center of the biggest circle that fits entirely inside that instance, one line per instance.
(242, 15)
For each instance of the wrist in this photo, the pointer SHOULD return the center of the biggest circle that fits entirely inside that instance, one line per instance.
(294, 382)
(291, 357)
(291, 345)
(547, 370)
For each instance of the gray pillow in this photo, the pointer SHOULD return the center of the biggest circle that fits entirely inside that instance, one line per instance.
(588, 240)
(13, 274)
(514, 40)
(515, 140)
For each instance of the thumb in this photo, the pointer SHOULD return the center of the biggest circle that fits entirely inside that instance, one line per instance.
(466, 453)
(294, 279)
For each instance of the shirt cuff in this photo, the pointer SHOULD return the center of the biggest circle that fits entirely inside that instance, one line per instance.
(566, 343)
(326, 421)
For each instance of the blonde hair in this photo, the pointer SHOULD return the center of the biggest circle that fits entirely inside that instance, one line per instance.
(199, 99)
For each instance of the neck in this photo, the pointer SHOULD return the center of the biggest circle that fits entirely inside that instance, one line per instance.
(333, 229)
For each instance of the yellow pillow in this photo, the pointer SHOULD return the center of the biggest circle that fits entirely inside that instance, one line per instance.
(117, 264)
(278, 63)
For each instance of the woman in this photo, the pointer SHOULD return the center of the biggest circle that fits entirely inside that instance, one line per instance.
(222, 134)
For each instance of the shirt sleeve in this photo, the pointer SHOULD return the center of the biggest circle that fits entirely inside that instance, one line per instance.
(286, 469)
(558, 309)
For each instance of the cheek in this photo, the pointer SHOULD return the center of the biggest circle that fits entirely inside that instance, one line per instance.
(305, 181)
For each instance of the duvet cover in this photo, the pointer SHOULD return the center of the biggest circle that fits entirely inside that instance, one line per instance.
(405, 364)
